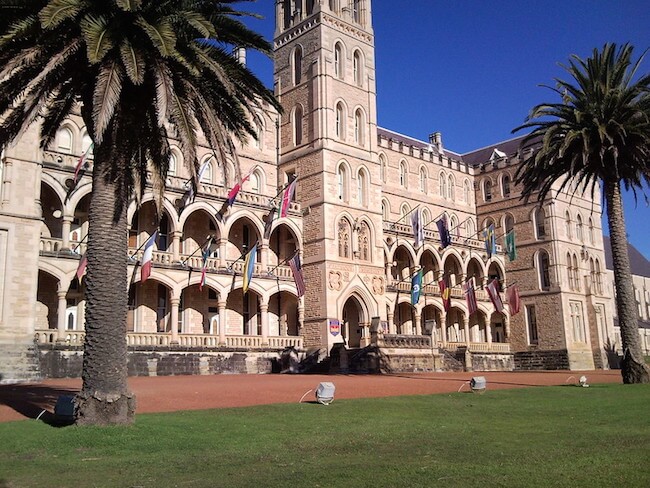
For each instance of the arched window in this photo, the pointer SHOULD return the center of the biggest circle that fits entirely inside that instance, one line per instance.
(569, 271)
(470, 229)
(599, 278)
(358, 68)
(344, 236)
(487, 186)
(591, 231)
(310, 7)
(383, 168)
(356, 11)
(358, 126)
(540, 223)
(567, 224)
(297, 125)
(334, 5)
(579, 232)
(426, 216)
(543, 268)
(206, 174)
(453, 225)
(423, 179)
(297, 66)
(362, 188)
(451, 191)
(338, 61)
(64, 140)
(340, 121)
(467, 192)
(86, 143)
(404, 210)
(508, 223)
(171, 167)
(442, 181)
(592, 275)
(259, 135)
(506, 185)
(364, 242)
(385, 210)
(342, 182)
(255, 182)
(403, 174)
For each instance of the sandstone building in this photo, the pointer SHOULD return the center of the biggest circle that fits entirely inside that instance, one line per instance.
(350, 222)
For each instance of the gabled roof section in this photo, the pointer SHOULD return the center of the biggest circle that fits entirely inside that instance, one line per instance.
(480, 156)
(639, 265)
(410, 141)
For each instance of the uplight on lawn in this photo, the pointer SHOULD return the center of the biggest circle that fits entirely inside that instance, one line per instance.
(324, 393)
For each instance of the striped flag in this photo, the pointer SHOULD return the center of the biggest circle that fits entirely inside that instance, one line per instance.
(205, 254)
(81, 269)
(147, 256)
(514, 301)
(416, 224)
(493, 292)
(232, 194)
(82, 162)
(298, 277)
(445, 294)
(287, 196)
(249, 267)
(470, 297)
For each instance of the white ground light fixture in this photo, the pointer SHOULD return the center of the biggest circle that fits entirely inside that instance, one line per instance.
(478, 384)
(325, 393)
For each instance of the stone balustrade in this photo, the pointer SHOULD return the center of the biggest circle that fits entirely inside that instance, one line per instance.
(401, 341)
(498, 347)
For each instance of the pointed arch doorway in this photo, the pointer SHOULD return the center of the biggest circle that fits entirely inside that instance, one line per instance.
(355, 323)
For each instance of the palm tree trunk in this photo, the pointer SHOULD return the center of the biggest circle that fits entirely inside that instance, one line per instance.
(633, 368)
(104, 398)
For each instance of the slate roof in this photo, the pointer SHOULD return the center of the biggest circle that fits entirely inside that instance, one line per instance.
(639, 265)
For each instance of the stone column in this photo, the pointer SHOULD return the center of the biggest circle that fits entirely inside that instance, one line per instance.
(65, 232)
(443, 329)
(418, 323)
(174, 319)
(389, 277)
(301, 313)
(466, 326)
(176, 246)
(488, 333)
(6, 184)
(390, 316)
(221, 306)
(222, 252)
(264, 256)
(60, 317)
(506, 328)
(264, 314)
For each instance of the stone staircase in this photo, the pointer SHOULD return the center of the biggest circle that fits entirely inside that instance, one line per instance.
(19, 363)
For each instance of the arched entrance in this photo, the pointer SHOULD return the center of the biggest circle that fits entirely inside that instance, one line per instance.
(355, 324)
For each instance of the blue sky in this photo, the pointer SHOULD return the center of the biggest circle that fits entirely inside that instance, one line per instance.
(472, 69)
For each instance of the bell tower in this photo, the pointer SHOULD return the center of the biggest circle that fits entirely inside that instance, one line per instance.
(325, 79)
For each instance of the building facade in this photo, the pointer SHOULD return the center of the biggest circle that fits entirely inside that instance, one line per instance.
(357, 188)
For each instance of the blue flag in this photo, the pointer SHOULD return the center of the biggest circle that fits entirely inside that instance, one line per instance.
(416, 286)
(249, 267)
(443, 230)
(490, 241)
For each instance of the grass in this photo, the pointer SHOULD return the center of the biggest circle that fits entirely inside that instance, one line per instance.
(552, 436)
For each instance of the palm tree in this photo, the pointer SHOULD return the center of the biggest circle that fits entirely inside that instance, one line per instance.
(140, 71)
(598, 135)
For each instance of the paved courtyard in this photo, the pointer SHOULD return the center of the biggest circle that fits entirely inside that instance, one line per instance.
(173, 393)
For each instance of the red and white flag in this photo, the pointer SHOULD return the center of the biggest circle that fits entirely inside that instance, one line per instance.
(514, 302)
(296, 269)
(81, 269)
(287, 196)
(82, 161)
(232, 194)
(493, 292)
(470, 297)
(147, 257)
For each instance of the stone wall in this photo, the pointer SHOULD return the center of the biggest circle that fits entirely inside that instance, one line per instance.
(544, 360)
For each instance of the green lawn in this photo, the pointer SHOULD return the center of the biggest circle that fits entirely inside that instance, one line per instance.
(553, 436)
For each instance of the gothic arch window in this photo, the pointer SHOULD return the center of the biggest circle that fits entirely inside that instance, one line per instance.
(310, 7)
(567, 224)
(172, 165)
(364, 242)
(505, 186)
(344, 237)
(356, 11)
(403, 174)
(540, 223)
(470, 229)
(487, 190)
(426, 216)
(86, 143)
(467, 192)
(544, 270)
(383, 168)
(258, 140)
(357, 66)
(207, 174)
(385, 210)
(359, 123)
(579, 228)
(569, 271)
(297, 65)
(453, 225)
(340, 121)
(423, 179)
(508, 223)
(451, 193)
(342, 183)
(334, 5)
(576, 272)
(297, 125)
(591, 230)
(404, 210)
(592, 275)
(338, 61)
(255, 182)
(599, 278)
(362, 188)
(64, 140)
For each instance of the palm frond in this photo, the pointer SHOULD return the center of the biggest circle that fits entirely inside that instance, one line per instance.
(106, 96)
(57, 11)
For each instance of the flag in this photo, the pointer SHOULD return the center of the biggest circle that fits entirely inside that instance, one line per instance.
(416, 286)
(296, 269)
(147, 255)
(232, 194)
(490, 243)
(249, 267)
(287, 196)
(81, 269)
(445, 294)
(443, 230)
(470, 297)
(205, 254)
(268, 223)
(188, 196)
(82, 162)
(493, 292)
(416, 224)
(514, 302)
(511, 249)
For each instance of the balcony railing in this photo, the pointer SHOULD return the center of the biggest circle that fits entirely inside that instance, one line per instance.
(164, 339)
(404, 229)
(498, 347)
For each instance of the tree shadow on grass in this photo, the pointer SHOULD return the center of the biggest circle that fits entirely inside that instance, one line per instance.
(36, 402)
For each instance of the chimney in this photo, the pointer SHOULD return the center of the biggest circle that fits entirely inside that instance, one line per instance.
(435, 139)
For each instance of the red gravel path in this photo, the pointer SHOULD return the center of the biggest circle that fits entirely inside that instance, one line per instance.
(172, 393)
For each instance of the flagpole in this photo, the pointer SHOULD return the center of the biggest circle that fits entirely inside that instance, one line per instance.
(241, 256)
(404, 216)
(196, 250)
(141, 246)
(270, 272)
(79, 243)
(436, 219)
